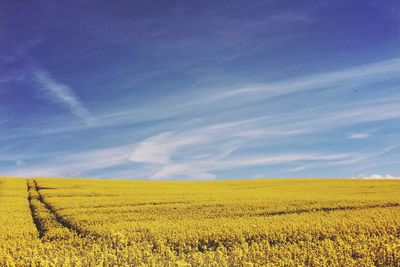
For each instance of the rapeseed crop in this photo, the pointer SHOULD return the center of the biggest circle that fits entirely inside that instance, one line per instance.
(270, 222)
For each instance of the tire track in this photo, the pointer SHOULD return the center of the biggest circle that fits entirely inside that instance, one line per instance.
(49, 224)
(59, 219)
(327, 209)
(34, 213)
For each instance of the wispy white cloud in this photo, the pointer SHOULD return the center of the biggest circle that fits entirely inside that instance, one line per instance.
(159, 149)
(365, 73)
(369, 157)
(377, 176)
(230, 100)
(74, 164)
(198, 154)
(211, 133)
(62, 93)
(358, 136)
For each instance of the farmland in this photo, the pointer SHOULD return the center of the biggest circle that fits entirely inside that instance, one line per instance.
(263, 222)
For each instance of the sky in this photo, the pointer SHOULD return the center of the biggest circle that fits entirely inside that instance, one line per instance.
(201, 90)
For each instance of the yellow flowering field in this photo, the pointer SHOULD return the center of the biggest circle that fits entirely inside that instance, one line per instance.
(263, 222)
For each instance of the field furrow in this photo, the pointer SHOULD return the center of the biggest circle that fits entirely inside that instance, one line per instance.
(329, 209)
(49, 225)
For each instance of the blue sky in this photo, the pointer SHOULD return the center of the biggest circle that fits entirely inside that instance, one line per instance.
(199, 89)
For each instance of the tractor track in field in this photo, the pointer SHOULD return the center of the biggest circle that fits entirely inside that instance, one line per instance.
(34, 193)
(39, 224)
(57, 217)
(327, 209)
(36, 221)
